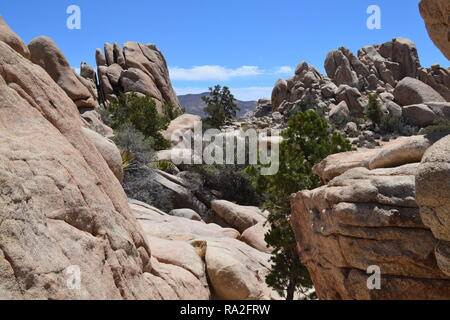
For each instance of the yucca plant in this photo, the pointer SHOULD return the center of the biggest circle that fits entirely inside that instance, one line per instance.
(127, 158)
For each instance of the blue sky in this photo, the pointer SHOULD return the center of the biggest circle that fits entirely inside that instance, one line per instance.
(244, 44)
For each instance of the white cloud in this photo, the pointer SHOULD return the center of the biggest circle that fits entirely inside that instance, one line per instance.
(244, 94)
(202, 73)
(252, 93)
(220, 73)
(284, 70)
(77, 70)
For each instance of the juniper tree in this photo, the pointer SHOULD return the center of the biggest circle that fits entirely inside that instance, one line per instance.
(307, 141)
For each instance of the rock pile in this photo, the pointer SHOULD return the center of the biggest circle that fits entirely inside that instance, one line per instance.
(391, 71)
(136, 68)
(368, 215)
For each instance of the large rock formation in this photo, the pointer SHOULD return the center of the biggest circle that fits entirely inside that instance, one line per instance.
(45, 52)
(136, 68)
(365, 218)
(62, 207)
(436, 13)
(433, 194)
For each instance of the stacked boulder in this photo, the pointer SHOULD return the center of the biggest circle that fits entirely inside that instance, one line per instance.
(367, 218)
(136, 68)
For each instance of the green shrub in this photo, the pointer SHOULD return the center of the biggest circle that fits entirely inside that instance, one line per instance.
(105, 115)
(231, 181)
(171, 112)
(307, 141)
(373, 110)
(440, 125)
(142, 113)
(136, 149)
(165, 165)
(396, 126)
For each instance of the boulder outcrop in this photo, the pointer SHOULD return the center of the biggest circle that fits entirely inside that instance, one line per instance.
(435, 14)
(412, 91)
(45, 53)
(432, 189)
(366, 218)
(135, 68)
(235, 270)
(9, 37)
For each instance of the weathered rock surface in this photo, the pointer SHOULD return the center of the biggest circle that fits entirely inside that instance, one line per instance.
(45, 52)
(419, 115)
(398, 152)
(9, 37)
(180, 125)
(186, 213)
(376, 70)
(435, 14)
(402, 151)
(255, 237)
(63, 209)
(432, 183)
(108, 150)
(235, 270)
(364, 218)
(239, 217)
(438, 78)
(412, 91)
(339, 114)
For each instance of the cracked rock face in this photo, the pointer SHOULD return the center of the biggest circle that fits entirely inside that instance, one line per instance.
(368, 218)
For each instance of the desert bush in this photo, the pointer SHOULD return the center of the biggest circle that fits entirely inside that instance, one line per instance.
(136, 149)
(105, 115)
(141, 112)
(140, 184)
(166, 166)
(373, 110)
(396, 126)
(440, 125)
(171, 112)
(231, 181)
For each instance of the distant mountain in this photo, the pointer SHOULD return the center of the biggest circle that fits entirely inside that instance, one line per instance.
(194, 104)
